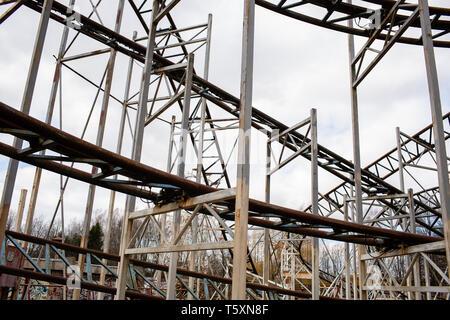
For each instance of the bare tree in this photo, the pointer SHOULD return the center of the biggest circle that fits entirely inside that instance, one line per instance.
(10, 222)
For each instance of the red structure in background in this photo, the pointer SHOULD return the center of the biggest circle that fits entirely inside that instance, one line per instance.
(13, 258)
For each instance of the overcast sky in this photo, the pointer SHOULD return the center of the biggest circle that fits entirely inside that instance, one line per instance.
(296, 67)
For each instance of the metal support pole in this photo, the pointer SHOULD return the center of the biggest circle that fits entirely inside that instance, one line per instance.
(314, 206)
(23, 197)
(412, 224)
(400, 160)
(172, 273)
(438, 127)
(406, 259)
(136, 153)
(99, 142)
(356, 158)
(48, 119)
(243, 165)
(6, 14)
(112, 196)
(11, 173)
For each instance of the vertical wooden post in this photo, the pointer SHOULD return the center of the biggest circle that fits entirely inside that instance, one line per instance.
(412, 224)
(266, 263)
(243, 165)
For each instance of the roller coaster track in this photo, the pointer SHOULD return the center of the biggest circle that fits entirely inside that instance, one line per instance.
(333, 14)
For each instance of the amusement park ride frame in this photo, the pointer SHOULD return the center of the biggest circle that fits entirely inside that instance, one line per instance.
(360, 185)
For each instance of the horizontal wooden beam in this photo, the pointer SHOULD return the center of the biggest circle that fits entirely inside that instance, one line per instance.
(183, 247)
(189, 203)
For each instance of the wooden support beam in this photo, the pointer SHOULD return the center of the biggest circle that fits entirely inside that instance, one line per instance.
(186, 204)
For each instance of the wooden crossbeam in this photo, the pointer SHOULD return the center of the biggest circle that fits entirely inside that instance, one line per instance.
(186, 204)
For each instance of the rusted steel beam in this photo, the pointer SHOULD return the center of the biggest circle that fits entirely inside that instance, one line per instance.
(11, 10)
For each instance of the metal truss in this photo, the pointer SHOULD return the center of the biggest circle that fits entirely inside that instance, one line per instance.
(383, 217)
